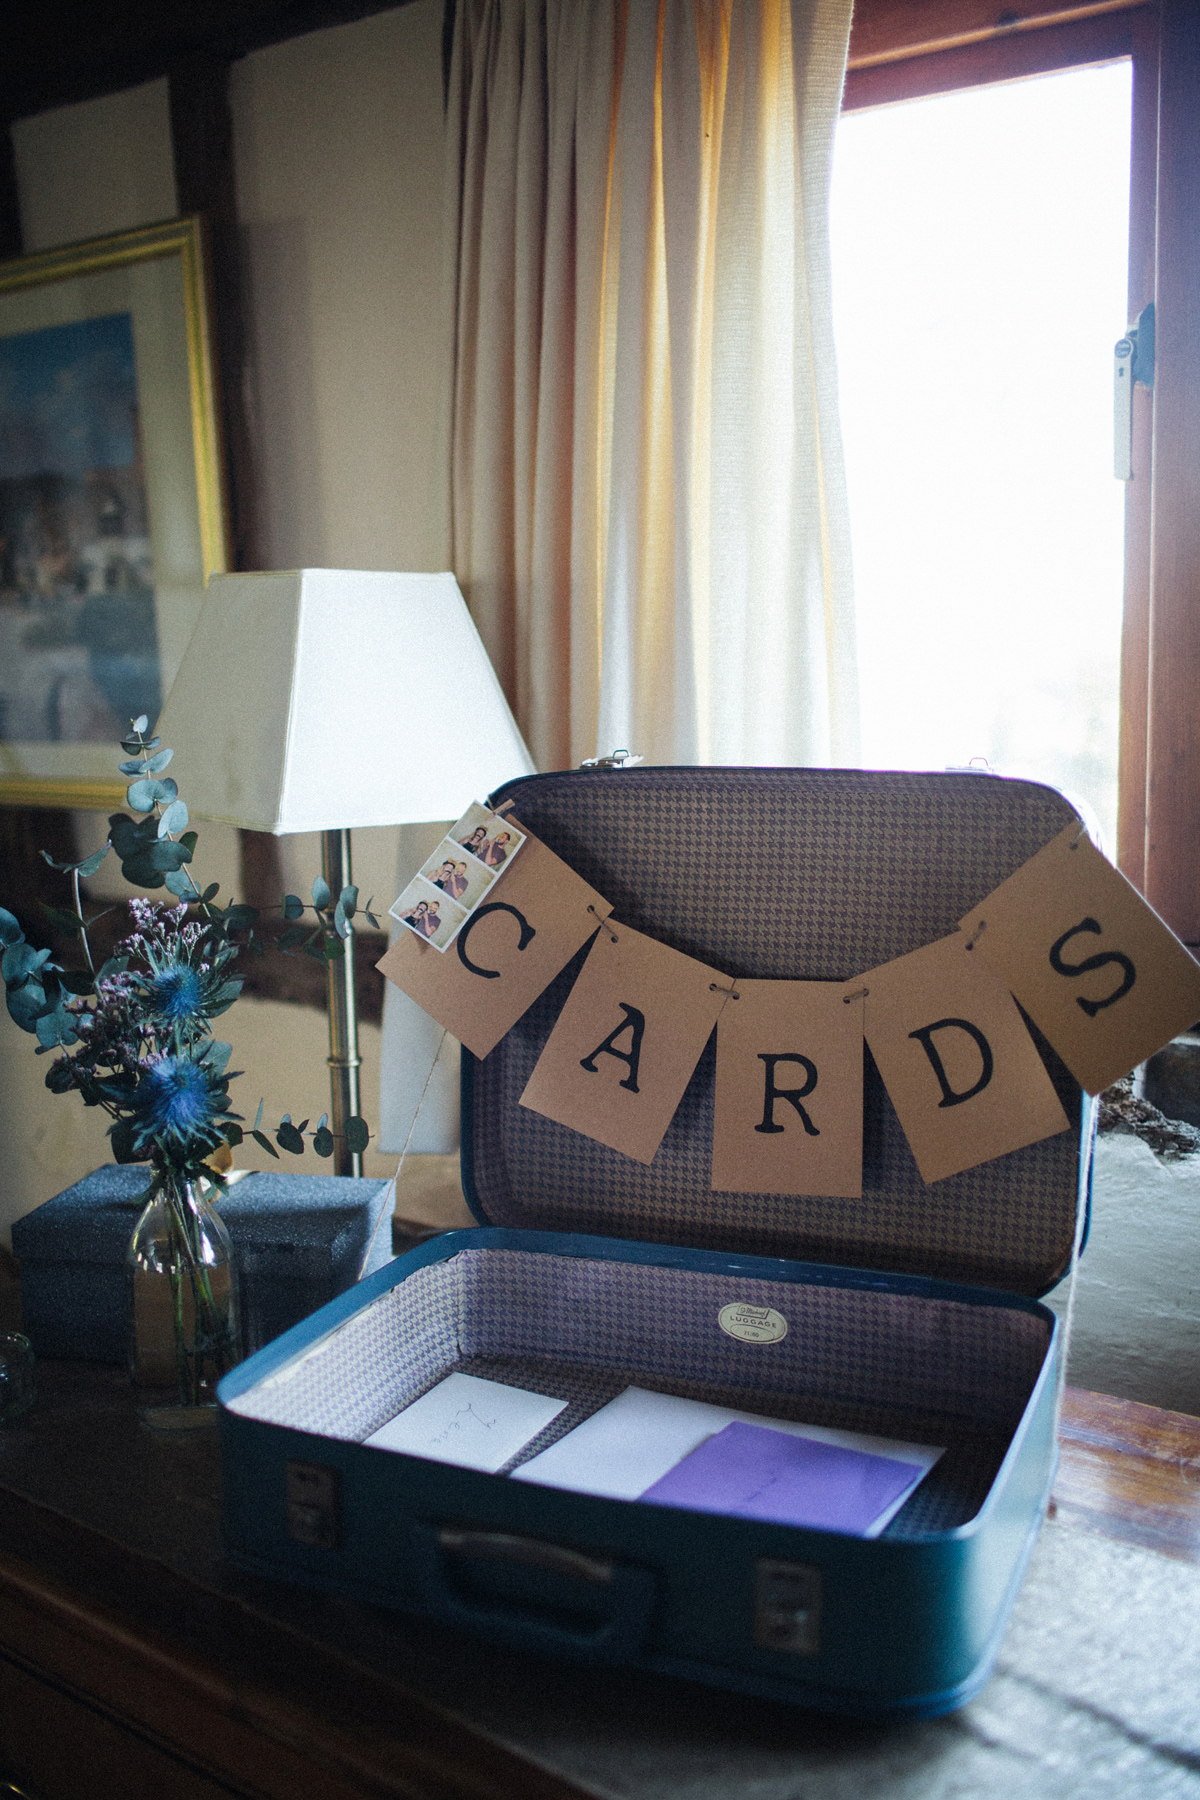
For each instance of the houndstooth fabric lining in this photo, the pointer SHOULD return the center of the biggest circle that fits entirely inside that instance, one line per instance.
(784, 874)
(932, 1371)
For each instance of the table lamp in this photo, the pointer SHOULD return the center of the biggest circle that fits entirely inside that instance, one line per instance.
(329, 699)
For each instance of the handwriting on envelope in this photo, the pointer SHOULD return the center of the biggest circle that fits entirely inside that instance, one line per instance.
(956, 1058)
(507, 952)
(1092, 964)
(627, 1041)
(788, 1110)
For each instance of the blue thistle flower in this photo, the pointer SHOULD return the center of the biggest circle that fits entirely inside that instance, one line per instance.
(177, 1103)
(178, 994)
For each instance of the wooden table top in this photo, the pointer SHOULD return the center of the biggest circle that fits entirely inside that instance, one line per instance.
(134, 1660)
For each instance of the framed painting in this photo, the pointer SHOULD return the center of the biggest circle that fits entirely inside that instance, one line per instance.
(112, 513)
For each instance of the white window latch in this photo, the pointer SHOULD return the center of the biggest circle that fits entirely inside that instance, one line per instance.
(1133, 361)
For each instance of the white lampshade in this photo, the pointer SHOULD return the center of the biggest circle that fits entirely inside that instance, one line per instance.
(322, 698)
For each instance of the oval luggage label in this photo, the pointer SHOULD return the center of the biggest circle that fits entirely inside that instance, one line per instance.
(752, 1324)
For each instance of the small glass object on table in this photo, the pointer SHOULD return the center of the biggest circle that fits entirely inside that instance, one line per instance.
(16, 1376)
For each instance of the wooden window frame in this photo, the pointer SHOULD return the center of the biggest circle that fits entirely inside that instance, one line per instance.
(902, 49)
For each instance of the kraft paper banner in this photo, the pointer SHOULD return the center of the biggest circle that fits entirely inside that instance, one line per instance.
(1093, 966)
(956, 1058)
(626, 1042)
(788, 1113)
(506, 953)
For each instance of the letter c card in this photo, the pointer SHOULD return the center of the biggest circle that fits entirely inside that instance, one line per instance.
(788, 1110)
(626, 1043)
(506, 953)
(958, 1063)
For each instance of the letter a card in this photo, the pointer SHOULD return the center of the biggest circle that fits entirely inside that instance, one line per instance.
(1093, 966)
(788, 1111)
(626, 1043)
(956, 1058)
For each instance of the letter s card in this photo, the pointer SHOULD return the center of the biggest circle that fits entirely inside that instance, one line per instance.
(958, 1063)
(1093, 965)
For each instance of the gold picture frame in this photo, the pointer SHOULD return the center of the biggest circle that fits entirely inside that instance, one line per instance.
(112, 499)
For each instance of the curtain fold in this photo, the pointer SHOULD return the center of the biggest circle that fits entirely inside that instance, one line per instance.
(649, 518)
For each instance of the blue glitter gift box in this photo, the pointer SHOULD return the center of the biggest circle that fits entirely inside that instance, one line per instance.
(301, 1240)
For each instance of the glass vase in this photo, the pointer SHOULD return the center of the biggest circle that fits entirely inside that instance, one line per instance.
(184, 1329)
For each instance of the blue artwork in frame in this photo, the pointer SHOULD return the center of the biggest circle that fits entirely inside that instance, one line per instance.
(78, 641)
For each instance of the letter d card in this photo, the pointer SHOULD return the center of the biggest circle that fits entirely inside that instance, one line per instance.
(958, 1063)
(625, 1045)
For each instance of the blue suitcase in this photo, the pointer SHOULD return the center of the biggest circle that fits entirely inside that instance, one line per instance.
(912, 1313)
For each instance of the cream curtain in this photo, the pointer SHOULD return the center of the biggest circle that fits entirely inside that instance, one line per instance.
(649, 517)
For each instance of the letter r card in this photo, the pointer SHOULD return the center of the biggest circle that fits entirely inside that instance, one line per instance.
(958, 1063)
(788, 1109)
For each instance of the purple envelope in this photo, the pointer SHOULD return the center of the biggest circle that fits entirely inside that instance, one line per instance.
(755, 1473)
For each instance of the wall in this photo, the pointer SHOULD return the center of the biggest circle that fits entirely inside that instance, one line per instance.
(338, 153)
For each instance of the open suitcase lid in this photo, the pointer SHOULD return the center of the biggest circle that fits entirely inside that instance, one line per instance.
(780, 874)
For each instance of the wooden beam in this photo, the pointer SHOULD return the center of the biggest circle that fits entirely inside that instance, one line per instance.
(884, 31)
(1173, 784)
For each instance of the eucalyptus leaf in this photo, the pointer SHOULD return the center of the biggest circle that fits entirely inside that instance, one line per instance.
(370, 915)
(77, 981)
(288, 1138)
(90, 864)
(179, 884)
(233, 1135)
(287, 940)
(141, 873)
(261, 1138)
(357, 1135)
(20, 961)
(323, 1121)
(56, 1028)
(10, 928)
(320, 893)
(134, 767)
(116, 965)
(140, 723)
(211, 891)
(189, 841)
(334, 949)
(143, 796)
(174, 818)
(339, 921)
(323, 1141)
(258, 1115)
(26, 1005)
(293, 906)
(158, 763)
(63, 919)
(165, 855)
(349, 901)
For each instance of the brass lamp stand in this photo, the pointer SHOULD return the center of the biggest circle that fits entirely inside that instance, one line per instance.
(344, 1060)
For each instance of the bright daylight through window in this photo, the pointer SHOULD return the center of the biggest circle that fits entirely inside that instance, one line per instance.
(980, 244)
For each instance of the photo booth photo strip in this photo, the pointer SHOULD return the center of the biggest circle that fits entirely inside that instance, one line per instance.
(453, 882)
(1093, 965)
(788, 1110)
(956, 1058)
(506, 953)
(627, 1041)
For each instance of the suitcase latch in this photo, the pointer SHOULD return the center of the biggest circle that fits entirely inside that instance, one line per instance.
(787, 1606)
(312, 1505)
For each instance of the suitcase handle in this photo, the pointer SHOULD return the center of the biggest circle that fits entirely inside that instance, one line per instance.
(616, 1638)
